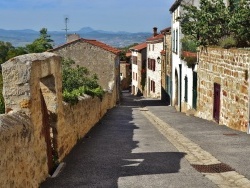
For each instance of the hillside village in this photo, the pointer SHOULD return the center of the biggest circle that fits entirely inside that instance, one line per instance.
(40, 128)
(205, 82)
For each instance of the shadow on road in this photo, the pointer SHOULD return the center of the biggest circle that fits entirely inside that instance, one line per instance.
(105, 155)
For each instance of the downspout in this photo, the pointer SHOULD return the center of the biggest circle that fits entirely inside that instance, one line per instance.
(180, 68)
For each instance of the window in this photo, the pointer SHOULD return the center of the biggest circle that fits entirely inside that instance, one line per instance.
(176, 41)
(151, 64)
(173, 42)
(153, 47)
(136, 76)
(134, 60)
(149, 47)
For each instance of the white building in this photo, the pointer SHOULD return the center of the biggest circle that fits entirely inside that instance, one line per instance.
(154, 49)
(184, 79)
(138, 57)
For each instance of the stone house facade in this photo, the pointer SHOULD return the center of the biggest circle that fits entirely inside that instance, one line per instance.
(125, 75)
(154, 49)
(223, 87)
(97, 57)
(166, 66)
(139, 58)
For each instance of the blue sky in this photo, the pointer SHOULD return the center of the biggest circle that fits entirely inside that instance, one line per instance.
(109, 15)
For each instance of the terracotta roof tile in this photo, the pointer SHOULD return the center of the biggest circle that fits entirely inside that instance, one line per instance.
(168, 29)
(155, 38)
(139, 46)
(102, 45)
(93, 42)
(128, 54)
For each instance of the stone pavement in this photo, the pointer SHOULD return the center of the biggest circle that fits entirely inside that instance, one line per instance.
(143, 143)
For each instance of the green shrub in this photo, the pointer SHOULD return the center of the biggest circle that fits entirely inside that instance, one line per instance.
(2, 105)
(76, 82)
(191, 61)
(99, 92)
(70, 97)
(188, 44)
(228, 42)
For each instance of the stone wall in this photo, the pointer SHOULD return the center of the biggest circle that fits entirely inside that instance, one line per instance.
(85, 54)
(37, 122)
(23, 160)
(229, 69)
(125, 79)
(79, 119)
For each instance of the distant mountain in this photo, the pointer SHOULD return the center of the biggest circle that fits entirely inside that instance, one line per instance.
(115, 39)
(86, 30)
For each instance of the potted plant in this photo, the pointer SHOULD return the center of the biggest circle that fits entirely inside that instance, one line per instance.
(189, 51)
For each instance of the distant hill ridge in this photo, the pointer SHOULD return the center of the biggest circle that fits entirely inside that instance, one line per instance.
(116, 39)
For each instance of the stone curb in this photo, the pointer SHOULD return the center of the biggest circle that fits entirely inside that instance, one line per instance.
(195, 155)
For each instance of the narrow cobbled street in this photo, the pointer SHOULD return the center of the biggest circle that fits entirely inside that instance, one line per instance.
(144, 143)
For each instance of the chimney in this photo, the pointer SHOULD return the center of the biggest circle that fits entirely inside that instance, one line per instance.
(72, 37)
(155, 31)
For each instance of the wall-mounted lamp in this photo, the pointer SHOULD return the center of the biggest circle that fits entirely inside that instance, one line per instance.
(158, 60)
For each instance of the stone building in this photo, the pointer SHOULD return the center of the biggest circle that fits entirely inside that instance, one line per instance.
(39, 129)
(154, 49)
(184, 77)
(139, 58)
(223, 87)
(166, 66)
(125, 76)
(97, 57)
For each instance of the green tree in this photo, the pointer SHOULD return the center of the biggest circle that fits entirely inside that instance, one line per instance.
(5, 47)
(206, 24)
(240, 22)
(41, 44)
(16, 52)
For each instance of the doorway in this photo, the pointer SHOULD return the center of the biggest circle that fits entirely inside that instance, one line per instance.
(216, 110)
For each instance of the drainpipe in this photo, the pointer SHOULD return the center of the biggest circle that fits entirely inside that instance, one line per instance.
(180, 68)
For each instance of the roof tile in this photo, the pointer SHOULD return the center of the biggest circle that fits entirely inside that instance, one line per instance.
(157, 37)
(93, 42)
(139, 46)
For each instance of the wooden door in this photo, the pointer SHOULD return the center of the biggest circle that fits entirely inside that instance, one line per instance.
(216, 111)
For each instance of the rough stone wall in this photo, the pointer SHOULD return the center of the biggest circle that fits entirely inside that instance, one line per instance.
(23, 161)
(29, 80)
(94, 58)
(22, 77)
(125, 80)
(79, 119)
(230, 69)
